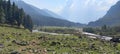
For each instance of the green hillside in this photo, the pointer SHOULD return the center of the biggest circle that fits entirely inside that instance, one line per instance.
(16, 36)
(18, 40)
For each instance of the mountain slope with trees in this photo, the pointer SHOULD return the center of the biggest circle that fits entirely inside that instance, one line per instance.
(43, 18)
(112, 18)
(12, 15)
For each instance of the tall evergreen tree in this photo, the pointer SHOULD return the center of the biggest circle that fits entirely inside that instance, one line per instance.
(9, 13)
(14, 9)
(2, 15)
(28, 23)
(21, 17)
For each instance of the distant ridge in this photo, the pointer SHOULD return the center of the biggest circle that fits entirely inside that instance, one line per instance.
(112, 18)
(53, 14)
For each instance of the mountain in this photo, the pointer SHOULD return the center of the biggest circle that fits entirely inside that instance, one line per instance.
(112, 17)
(43, 17)
(53, 14)
(29, 9)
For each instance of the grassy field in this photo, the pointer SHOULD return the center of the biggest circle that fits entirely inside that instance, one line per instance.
(17, 40)
(60, 30)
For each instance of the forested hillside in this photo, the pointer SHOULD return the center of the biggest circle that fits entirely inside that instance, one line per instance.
(12, 15)
(41, 17)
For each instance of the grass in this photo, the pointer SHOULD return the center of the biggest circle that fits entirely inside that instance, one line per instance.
(22, 41)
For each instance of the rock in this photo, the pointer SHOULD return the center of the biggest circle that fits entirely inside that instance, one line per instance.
(92, 46)
(117, 40)
(55, 43)
(35, 51)
(3, 34)
(14, 52)
(31, 51)
(54, 53)
(9, 44)
(1, 45)
(44, 51)
(23, 50)
(13, 33)
(19, 34)
(22, 43)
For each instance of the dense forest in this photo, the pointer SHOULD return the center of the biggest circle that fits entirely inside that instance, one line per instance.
(12, 15)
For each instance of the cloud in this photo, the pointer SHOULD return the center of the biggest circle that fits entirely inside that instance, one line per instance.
(85, 11)
(58, 9)
(66, 0)
(111, 1)
(105, 5)
(99, 5)
(72, 5)
(87, 2)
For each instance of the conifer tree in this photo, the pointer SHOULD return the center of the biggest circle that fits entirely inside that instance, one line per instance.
(21, 17)
(28, 23)
(2, 15)
(9, 12)
(13, 12)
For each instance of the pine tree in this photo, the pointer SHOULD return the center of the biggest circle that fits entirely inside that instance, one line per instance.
(4, 5)
(21, 17)
(9, 13)
(14, 9)
(28, 23)
(2, 15)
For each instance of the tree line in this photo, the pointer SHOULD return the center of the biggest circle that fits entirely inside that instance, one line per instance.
(12, 15)
(104, 30)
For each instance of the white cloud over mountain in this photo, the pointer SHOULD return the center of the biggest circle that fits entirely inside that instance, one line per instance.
(85, 11)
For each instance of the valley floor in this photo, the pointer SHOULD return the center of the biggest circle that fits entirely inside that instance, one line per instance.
(17, 40)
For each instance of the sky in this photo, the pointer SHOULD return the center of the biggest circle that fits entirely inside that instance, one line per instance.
(53, 5)
(82, 11)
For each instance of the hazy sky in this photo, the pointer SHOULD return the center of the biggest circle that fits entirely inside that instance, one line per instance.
(82, 11)
(53, 5)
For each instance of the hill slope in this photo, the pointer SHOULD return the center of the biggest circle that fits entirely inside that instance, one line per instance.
(112, 18)
(43, 18)
(20, 41)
